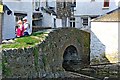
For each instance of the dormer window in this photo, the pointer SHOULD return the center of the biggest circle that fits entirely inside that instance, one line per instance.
(106, 4)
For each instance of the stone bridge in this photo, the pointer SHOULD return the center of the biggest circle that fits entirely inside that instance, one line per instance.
(63, 50)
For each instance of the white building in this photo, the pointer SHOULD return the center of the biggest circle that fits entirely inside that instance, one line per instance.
(20, 9)
(86, 10)
(104, 37)
(56, 13)
(47, 10)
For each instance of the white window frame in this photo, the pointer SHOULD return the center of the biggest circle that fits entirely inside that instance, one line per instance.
(106, 7)
(72, 21)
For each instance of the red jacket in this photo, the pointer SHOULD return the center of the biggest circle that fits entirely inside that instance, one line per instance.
(20, 32)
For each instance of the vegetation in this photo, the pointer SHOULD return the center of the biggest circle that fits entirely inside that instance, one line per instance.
(36, 55)
(27, 41)
(6, 70)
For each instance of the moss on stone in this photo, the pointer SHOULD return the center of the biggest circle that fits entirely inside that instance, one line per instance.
(44, 59)
(6, 71)
(78, 40)
(36, 55)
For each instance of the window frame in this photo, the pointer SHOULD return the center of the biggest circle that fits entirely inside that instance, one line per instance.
(106, 4)
(72, 22)
(85, 21)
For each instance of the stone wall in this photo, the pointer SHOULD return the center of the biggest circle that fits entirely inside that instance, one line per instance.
(63, 9)
(46, 59)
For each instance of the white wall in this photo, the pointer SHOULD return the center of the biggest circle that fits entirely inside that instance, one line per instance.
(59, 23)
(51, 3)
(86, 7)
(8, 28)
(104, 39)
(22, 6)
(47, 20)
(78, 23)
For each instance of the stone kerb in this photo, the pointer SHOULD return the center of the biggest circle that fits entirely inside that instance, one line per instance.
(45, 59)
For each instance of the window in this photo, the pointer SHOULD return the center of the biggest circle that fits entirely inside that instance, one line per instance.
(46, 2)
(72, 22)
(106, 3)
(19, 16)
(85, 21)
(64, 4)
(73, 3)
(36, 5)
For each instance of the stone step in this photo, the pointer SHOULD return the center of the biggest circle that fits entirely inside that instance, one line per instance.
(83, 76)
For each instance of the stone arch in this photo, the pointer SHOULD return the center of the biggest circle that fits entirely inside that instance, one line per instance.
(71, 59)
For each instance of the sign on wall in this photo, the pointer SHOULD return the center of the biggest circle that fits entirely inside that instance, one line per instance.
(1, 8)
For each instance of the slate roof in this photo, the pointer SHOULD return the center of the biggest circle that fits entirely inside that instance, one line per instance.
(112, 16)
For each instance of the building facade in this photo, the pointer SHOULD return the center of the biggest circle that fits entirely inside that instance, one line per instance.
(56, 13)
(15, 10)
(90, 9)
(104, 37)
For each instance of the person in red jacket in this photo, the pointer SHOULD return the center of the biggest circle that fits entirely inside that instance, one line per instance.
(20, 29)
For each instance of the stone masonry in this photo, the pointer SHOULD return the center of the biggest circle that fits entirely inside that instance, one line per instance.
(45, 59)
(63, 8)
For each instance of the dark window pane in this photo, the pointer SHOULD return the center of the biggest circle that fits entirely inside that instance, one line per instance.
(70, 24)
(106, 3)
(85, 22)
(73, 24)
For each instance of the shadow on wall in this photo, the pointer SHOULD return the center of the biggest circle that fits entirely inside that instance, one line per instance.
(97, 55)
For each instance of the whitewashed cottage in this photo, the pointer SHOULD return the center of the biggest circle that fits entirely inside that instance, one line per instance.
(104, 37)
(41, 13)
(44, 14)
(86, 10)
(13, 11)
(55, 13)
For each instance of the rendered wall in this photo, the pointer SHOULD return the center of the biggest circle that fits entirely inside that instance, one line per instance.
(104, 41)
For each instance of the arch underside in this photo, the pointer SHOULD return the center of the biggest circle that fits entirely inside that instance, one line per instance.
(71, 59)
